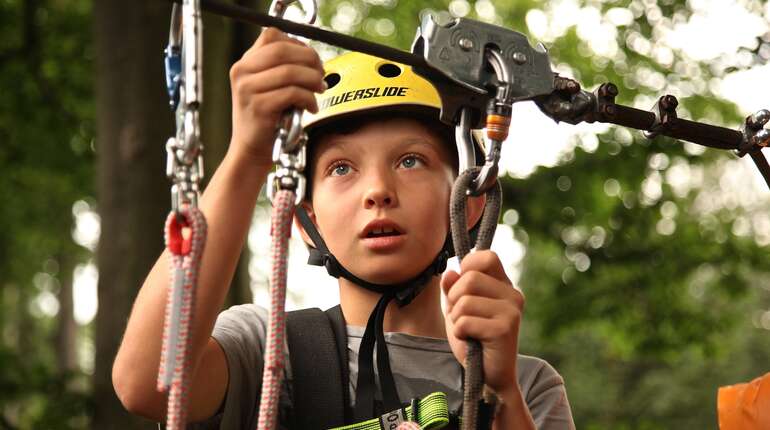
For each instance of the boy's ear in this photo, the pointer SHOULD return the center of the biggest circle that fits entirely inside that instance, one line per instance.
(474, 209)
(305, 237)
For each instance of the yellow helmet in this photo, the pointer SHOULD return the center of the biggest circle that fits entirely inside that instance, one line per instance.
(359, 83)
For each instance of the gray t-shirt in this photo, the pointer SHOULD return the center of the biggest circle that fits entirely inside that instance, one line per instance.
(420, 365)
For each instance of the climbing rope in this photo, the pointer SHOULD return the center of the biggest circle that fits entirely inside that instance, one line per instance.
(286, 190)
(185, 240)
(478, 410)
(474, 378)
(280, 230)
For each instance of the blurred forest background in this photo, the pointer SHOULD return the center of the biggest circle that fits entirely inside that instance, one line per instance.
(645, 271)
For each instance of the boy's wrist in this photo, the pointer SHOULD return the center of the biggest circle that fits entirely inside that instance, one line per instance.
(246, 160)
(510, 394)
(512, 410)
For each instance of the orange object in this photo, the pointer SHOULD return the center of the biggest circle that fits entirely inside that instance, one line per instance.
(745, 406)
(497, 126)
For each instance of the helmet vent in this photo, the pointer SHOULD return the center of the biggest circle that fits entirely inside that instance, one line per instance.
(332, 79)
(389, 70)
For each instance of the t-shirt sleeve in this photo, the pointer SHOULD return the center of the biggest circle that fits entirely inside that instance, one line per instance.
(240, 331)
(544, 392)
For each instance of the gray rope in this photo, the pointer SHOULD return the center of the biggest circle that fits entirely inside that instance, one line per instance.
(474, 377)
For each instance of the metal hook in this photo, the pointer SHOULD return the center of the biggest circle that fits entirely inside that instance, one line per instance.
(498, 122)
(278, 8)
(289, 149)
(173, 59)
(184, 164)
(755, 136)
(464, 141)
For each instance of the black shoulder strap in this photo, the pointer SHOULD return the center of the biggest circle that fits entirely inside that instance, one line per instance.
(341, 335)
(318, 350)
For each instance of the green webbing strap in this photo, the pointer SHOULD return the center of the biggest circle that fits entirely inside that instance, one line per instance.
(433, 413)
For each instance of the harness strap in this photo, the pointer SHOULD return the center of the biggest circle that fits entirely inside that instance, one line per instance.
(317, 368)
(365, 388)
(341, 334)
(432, 413)
(403, 293)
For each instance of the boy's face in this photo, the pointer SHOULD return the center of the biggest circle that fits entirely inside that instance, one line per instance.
(380, 197)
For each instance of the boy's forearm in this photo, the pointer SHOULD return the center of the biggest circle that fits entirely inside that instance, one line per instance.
(513, 412)
(228, 205)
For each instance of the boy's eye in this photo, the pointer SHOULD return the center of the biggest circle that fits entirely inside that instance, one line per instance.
(410, 161)
(340, 170)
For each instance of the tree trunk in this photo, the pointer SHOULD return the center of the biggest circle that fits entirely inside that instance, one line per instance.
(133, 123)
(216, 127)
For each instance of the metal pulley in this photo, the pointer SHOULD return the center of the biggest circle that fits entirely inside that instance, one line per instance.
(496, 67)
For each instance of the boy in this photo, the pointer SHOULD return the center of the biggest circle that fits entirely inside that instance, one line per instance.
(379, 183)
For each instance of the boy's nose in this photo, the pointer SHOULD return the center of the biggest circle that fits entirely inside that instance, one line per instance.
(379, 196)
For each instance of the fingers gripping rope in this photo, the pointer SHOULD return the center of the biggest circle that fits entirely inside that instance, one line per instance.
(474, 378)
(280, 229)
(185, 240)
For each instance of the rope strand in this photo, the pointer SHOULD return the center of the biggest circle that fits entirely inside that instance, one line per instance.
(272, 375)
(186, 252)
(474, 376)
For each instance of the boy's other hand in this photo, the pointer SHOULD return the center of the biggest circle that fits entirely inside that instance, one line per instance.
(482, 304)
(275, 74)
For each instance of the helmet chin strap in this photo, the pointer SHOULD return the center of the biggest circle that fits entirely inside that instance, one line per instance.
(403, 293)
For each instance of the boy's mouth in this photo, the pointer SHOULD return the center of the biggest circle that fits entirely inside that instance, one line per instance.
(381, 228)
(385, 232)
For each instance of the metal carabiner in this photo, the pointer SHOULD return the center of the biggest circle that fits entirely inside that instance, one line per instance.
(279, 7)
(289, 149)
(173, 58)
(466, 153)
(497, 124)
(183, 60)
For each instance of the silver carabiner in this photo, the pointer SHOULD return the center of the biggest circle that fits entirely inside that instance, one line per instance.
(289, 149)
(184, 164)
(290, 126)
(279, 7)
(464, 140)
(499, 107)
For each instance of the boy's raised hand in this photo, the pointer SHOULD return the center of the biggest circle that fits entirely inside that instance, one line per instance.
(482, 304)
(275, 74)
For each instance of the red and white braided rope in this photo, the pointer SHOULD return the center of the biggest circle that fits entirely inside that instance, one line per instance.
(280, 229)
(186, 251)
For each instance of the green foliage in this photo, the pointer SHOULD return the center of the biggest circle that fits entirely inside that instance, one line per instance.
(644, 300)
(46, 127)
(46, 130)
(36, 396)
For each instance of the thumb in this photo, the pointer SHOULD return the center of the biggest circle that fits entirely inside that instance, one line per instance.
(448, 280)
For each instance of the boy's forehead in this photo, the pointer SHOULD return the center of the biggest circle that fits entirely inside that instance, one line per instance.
(391, 133)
